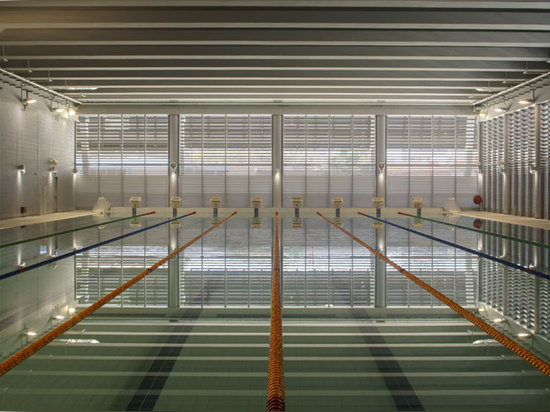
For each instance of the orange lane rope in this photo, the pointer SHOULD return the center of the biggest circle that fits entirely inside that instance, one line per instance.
(275, 375)
(38, 344)
(519, 350)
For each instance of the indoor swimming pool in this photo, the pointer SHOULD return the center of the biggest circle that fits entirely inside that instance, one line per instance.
(194, 334)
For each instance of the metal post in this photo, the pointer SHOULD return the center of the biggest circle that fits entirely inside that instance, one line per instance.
(381, 156)
(173, 154)
(277, 168)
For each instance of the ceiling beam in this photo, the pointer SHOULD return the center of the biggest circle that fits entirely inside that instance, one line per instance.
(262, 65)
(276, 53)
(252, 37)
(280, 18)
(438, 4)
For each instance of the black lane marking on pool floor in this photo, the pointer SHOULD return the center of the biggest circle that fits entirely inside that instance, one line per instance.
(398, 383)
(155, 383)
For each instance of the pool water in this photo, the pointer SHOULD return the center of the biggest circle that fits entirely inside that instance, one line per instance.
(194, 334)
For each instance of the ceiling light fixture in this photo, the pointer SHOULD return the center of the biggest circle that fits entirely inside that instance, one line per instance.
(500, 109)
(81, 88)
(525, 101)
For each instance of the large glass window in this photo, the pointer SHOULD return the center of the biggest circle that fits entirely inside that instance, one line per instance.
(432, 157)
(327, 156)
(119, 156)
(227, 156)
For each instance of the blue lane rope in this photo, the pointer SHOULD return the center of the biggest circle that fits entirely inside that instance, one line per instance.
(84, 249)
(475, 252)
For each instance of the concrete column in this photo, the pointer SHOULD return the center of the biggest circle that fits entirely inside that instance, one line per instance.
(380, 270)
(173, 268)
(277, 160)
(173, 154)
(381, 157)
(537, 183)
(506, 178)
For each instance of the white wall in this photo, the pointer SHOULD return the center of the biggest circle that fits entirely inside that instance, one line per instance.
(31, 137)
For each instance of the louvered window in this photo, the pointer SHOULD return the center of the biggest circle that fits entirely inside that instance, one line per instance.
(492, 141)
(491, 273)
(119, 156)
(327, 156)
(322, 267)
(451, 271)
(230, 268)
(544, 287)
(545, 157)
(101, 270)
(521, 156)
(227, 156)
(432, 157)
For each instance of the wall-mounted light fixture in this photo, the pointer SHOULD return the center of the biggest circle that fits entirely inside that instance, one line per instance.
(173, 166)
(381, 167)
(21, 168)
(26, 99)
(532, 169)
(53, 164)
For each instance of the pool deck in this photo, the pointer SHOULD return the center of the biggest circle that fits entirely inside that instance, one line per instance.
(285, 212)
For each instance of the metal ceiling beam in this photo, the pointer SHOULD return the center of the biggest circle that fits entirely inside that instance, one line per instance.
(273, 84)
(287, 18)
(439, 4)
(448, 38)
(248, 75)
(310, 65)
(158, 88)
(111, 52)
